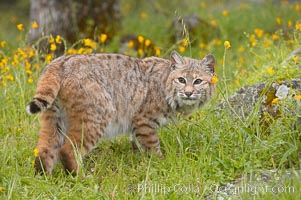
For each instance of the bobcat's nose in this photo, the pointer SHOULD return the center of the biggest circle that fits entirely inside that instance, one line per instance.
(188, 94)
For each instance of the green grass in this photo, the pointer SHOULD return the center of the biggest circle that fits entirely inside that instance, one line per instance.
(200, 152)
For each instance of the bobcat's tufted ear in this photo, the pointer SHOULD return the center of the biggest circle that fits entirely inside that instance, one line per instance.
(209, 62)
(176, 59)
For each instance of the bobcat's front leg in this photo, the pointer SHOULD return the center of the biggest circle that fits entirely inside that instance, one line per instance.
(144, 130)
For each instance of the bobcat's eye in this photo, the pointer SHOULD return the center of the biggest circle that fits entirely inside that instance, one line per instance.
(182, 80)
(197, 81)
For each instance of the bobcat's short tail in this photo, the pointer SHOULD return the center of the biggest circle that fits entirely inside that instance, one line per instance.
(47, 89)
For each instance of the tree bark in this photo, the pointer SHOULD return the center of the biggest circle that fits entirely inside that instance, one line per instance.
(54, 17)
(73, 18)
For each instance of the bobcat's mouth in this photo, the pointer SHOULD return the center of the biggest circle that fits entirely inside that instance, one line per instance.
(188, 100)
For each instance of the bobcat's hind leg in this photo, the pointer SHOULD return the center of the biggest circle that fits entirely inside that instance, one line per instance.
(50, 140)
(89, 109)
(82, 137)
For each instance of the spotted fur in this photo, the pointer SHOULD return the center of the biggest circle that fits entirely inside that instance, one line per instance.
(83, 98)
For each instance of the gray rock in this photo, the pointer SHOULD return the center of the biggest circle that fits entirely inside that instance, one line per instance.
(262, 96)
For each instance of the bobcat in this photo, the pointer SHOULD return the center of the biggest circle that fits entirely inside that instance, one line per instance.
(85, 97)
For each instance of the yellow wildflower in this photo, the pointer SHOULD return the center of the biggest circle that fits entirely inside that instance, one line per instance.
(3, 44)
(157, 52)
(71, 51)
(202, 45)
(298, 26)
(275, 100)
(89, 50)
(36, 152)
(227, 44)
(103, 37)
(3, 82)
(258, 32)
(225, 13)
(34, 25)
(140, 39)
(89, 43)
(130, 44)
(241, 49)
(140, 52)
(213, 22)
(30, 80)
(143, 15)
(4, 70)
(217, 42)
(51, 39)
(4, 60)
(15, 63)
(275, 36)
(252, 40)
(271, 70)
(181, 49)
(289, 23)
(295, 59)
(10, 77)
(147, 42)
(298, 7)
(28, 72)
(297, 97)
(214, 79)
(1, 190)
(31, 53)
(20, 27)
(267, 43)
(278, 20)
(58, 39)
(53, 47)
(236, 82)
(48, 58)
(185, 42)
(81, 51)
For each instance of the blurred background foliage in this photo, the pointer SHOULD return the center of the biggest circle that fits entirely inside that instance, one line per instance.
(261, 33)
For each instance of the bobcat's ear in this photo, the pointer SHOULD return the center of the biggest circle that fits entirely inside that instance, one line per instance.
(209, 62)
(176, 59)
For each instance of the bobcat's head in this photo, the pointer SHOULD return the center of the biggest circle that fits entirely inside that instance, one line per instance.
(189, 83)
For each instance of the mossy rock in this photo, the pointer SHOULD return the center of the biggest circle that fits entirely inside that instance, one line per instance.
(264, 100)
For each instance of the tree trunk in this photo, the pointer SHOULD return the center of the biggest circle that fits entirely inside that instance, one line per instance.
(73, 18)
(55, 17)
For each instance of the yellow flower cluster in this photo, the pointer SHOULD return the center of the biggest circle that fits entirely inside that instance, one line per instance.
(88, 45)
(54, 41)
(19, 59)
(144, 47)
